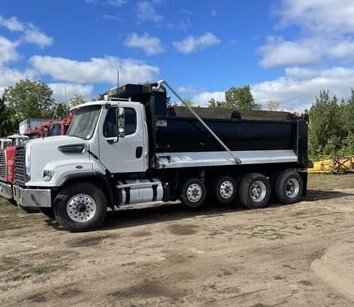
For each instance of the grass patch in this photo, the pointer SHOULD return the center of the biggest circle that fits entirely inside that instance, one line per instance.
(330, 181)
(9, 215)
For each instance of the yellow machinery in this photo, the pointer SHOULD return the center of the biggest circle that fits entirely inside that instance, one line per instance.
(335, 165)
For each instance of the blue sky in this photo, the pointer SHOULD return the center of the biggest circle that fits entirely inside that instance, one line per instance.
(286, 50)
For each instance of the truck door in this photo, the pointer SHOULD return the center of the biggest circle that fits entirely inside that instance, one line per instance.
(128, 154)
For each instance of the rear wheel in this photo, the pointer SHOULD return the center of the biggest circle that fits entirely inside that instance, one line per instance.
(288, 187)
(193, 193)
(80, 207)
(225, 190)
(254, 191)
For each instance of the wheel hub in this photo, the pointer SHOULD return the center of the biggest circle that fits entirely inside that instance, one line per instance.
(258, 191)
(292, 188)
(226, 189)
(194, 192)
(81, 208)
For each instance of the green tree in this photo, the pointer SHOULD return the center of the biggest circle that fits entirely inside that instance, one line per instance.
(213, 103)
(240, 98)
(61, 110)
(236, 98)
(2, 115)
(325, 129)
(348, 125)
(28, 99)
(76, 100)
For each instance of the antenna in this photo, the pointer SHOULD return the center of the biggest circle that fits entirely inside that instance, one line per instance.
(118, 78)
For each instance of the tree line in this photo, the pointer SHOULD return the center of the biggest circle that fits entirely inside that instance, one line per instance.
(331, 122)
(331, 126)
(30, 99)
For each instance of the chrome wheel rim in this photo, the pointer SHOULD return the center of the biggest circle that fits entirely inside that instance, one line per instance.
(194, 192)
(258, 191)
(226, 189)
(292, 188)
(81, 208)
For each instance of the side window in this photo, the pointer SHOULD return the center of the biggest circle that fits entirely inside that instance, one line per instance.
(110, 124)
(130, 121)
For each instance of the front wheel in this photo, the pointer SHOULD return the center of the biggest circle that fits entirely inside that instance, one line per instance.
(193, 193)
(254, 191)
(80, 207)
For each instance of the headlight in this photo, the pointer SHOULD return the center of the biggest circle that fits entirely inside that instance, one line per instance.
(28, 161)
(48, 174)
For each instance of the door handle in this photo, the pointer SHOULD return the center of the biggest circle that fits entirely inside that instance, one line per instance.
(139, 152)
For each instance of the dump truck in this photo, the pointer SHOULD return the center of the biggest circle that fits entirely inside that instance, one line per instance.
(31, 124)
(47, 127)
(131, 149)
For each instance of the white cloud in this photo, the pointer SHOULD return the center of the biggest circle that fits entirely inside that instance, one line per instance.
(150, 44)
(96, 70)
(62, 92)
(186, 90)
(202, 99)
(8, 51)
(343, 50)
(12, 24)
(195, 43)
(278, 52)
(30, 33)
(10, 76)
(117, 3)
(320, 15)
(299, 87)
(147, 13)
(325, 30)
(296, 91)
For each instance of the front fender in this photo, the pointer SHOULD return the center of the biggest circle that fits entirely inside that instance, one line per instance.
(60, 171)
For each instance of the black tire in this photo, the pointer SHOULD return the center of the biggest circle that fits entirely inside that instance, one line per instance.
(48, 212)
(80, 207)
(193, 193)
(288, 187)
(254, 191)
(225, 190)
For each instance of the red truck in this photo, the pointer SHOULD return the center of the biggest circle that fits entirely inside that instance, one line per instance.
(48, 128)
(30, 129)
(7, 165)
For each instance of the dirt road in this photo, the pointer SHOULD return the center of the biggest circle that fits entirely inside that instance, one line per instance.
(293, 255)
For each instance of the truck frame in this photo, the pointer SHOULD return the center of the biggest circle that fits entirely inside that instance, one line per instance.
(130, 150)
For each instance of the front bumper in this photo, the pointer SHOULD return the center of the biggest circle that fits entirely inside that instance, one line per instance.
(40, 198)
(6, 190)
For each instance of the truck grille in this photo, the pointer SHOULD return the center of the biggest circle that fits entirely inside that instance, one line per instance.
(20, 166)
(2, 166)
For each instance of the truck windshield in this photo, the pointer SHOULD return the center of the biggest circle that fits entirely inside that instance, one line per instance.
(84, 122)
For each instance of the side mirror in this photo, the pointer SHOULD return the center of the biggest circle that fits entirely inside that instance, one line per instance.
(120, 122)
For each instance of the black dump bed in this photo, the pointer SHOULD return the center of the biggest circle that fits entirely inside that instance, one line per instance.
(188, 134)
(174, 129)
